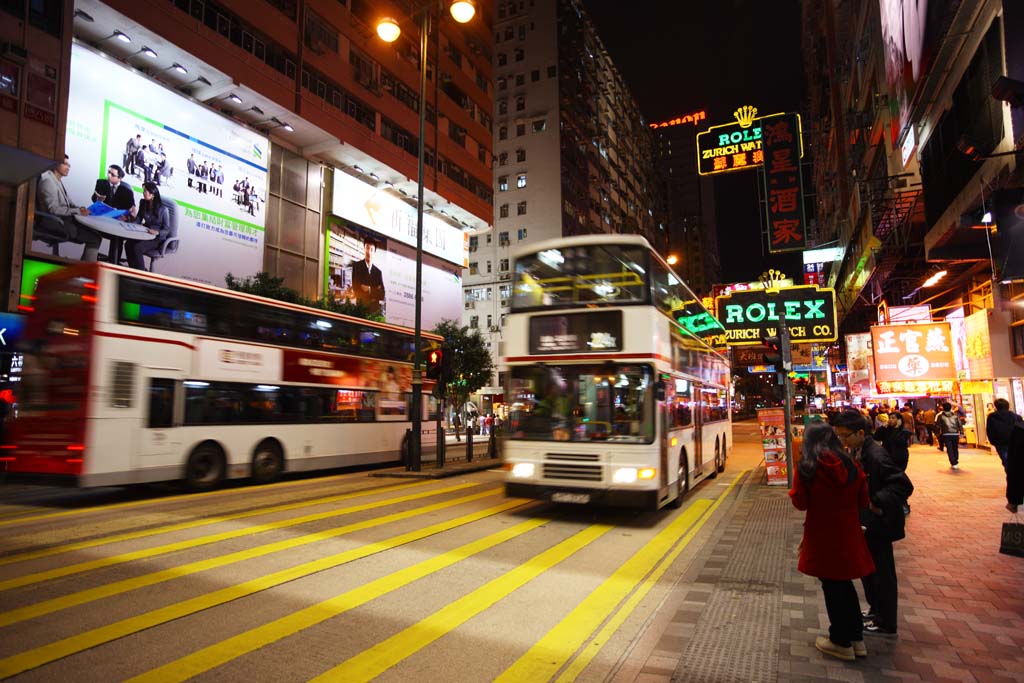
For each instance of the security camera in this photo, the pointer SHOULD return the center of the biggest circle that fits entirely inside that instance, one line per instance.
(1009, 90)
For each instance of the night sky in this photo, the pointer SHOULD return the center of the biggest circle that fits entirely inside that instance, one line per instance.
(714, 55)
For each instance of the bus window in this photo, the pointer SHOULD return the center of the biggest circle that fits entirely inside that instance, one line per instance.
(681, 409)
(161, 403)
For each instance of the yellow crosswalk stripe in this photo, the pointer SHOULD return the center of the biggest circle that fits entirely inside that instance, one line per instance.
(371, 663)
(118, 587)
(261, 636)
(581, 662)
(67, 570)
(195, 523)
(36, 657)
(168, 499)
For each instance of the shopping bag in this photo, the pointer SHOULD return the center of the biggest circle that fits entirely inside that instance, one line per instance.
(1012, 542)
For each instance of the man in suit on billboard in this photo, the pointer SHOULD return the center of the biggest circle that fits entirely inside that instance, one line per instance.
(368, 280)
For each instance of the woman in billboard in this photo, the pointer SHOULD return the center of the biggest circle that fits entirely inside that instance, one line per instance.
(154, 215)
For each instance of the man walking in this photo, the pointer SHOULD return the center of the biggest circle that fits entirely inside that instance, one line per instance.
(950, 428)
(884, 521)
(929, 423)
(999, 427)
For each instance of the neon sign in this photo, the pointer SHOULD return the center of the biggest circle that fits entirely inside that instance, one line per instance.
(734, 146)
(693, 118)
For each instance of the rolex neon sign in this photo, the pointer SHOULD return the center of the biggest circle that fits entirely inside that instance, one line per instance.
(733, 146)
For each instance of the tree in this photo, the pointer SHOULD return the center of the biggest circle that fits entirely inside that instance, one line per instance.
(471, 364)
(265, 284)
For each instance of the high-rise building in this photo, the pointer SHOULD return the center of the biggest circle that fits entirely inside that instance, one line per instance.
(689, 202)
(572, 153)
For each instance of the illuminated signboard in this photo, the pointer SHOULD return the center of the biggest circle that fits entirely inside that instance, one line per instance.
(694, 118)
(783, 183)
(809, 312)
(734, 146)
(912, 355)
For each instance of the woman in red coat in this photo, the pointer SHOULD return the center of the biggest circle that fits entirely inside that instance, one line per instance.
(832, 488)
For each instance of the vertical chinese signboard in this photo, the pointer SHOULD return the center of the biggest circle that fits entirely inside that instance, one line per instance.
(783, 182)
(913, 359)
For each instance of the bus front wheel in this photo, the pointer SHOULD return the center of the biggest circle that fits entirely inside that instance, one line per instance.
(682, 482)
(267, 462)
(721, 467)
(718, 467)
(206, 468)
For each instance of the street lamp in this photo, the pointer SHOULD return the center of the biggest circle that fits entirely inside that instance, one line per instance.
(388, 30)
(672, 259)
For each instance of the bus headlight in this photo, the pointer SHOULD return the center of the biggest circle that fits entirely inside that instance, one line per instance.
(624, 475)
(523, 470)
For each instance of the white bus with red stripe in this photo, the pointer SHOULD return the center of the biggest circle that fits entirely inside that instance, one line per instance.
(135, 377)
(616, 396)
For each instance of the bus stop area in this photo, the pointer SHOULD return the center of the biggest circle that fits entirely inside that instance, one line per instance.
(456, 459)
(742, 612)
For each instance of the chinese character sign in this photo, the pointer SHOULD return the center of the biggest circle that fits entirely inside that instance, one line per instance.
(780, 140)
(917, 352)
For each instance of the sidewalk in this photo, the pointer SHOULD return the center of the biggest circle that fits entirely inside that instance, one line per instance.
(741, 612)
(455, 461)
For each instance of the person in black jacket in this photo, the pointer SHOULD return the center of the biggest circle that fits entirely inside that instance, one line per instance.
(999, 426)
(1015, 469)
(884, 521)
(155, 216)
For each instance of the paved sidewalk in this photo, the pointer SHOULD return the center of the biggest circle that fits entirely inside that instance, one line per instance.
(741, 612)
(455, 461)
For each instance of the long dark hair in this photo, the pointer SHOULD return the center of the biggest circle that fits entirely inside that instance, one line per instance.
(819, 438)
(154, 190)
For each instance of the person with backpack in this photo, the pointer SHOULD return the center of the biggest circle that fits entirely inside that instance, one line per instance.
(950, 427)
(999, 427)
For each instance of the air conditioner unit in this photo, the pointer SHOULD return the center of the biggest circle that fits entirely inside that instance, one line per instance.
(495, 328)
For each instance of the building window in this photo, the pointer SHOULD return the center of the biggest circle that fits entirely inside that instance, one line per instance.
(474, 267)
(488, 266)
(502, 83)
(521, 211)
(503, 265)
(457, 133)
(521, 235)
(503, 211)
(552, 71)
(520, 129)
(481, 153)
(502, 183)
(502, 59)
(539, 125)
(474, 321)
(521, 180)
(522, 31)
(502, 158)
(505, 292)
(520, 80)
(502, 107)
(503, 239)
(519, 54)
(474, 242)
(502, 319)
(520, 155)
(520, 102)
(503, 133)
(489, 238)
(481, 81)
(535, 75)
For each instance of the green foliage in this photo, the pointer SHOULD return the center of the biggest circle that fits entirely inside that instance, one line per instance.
(472, 367)
(265, 284)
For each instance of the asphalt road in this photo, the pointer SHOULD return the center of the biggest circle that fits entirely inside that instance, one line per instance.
(343, 577)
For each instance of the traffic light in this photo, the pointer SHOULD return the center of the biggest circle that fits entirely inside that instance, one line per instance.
(435, 361)
(773, 355)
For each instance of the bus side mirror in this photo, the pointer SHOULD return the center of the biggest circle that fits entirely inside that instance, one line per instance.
(659, 391)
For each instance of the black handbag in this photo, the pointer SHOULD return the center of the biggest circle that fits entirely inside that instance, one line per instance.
(1012, 540)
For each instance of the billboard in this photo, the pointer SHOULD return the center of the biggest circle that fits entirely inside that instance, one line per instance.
(909, 357)
(808, 311)
(364, 265)
(211, 172)
(859, 366)
(783, 183)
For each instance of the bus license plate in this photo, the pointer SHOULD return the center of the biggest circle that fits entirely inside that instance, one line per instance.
(576, 498)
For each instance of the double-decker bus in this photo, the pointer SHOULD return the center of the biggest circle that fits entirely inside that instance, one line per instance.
(616, 395)
(135, 377)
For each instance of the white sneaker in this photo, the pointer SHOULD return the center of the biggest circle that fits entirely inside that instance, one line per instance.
(956, 467)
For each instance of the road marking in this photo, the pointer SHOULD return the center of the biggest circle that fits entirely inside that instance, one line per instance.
(371, 663)
(80, 567)
(170, 499)
(108, 590)
(601, 639)
(192, 524)
(261, 636)
(36, 657)
(550, 653)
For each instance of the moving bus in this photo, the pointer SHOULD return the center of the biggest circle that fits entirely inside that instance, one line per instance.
(616, 396)
(135, 377)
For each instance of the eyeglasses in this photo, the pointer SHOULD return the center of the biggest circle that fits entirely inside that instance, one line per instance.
(844, 436)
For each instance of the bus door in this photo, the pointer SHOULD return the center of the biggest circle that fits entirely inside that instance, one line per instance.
(159, 441)
(666, 401)
(697, 458)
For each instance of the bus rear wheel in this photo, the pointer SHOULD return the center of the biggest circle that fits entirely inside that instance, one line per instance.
(205, 469)
(717, 468)
(721, 466)
(682, 483)
(267, 463)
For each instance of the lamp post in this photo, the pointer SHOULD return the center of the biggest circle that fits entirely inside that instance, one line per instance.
(388, 30)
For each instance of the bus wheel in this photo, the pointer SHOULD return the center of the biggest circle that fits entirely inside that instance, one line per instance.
(267, 462)
(682, 482)
(714, 472)
(206, 468)
(721, 466)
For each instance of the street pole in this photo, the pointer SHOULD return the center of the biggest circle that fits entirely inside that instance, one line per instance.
(787, 355)
(415, 454)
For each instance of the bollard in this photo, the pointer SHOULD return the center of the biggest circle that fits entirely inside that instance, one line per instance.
(469, 445)
(492, 446)
(440, 441)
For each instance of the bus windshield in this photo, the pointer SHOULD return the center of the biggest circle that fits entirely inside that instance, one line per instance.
(595, 402)
(582, 275)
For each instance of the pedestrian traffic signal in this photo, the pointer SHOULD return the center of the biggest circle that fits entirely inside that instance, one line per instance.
(435, 361)
(773, 354)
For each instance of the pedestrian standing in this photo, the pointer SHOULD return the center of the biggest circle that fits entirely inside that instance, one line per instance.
(948, 424)
(999, 427)
(929, 423)
(908, 421)
(884, 521)
(832, 489)
(1015, 469)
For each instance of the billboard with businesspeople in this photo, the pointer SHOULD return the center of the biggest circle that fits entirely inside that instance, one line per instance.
(210, 173)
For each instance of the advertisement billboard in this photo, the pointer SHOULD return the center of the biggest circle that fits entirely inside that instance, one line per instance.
(211, 173)
(860, 369)
(366, 266)
(808, 311)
